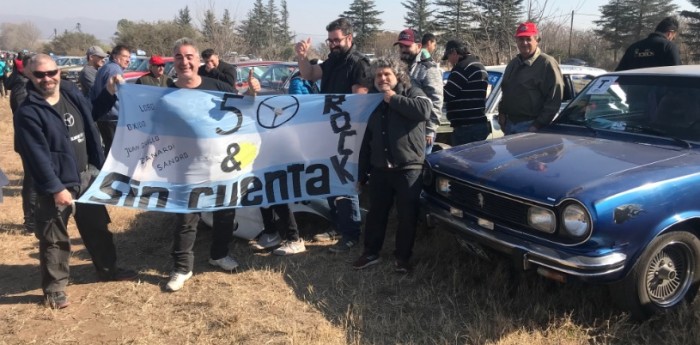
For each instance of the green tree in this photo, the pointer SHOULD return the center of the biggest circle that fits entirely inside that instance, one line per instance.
(71, 43)
(209, 25)
(253, 29)
(496, 20)
(285, 31)
(691, 32)
(365, 21)
(454, 20)
(183, 17)
(154, 38)
(623, 22)
(419, 15)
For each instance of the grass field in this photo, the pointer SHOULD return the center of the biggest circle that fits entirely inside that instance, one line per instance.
(311, 298)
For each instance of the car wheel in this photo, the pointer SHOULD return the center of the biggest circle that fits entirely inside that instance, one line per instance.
(665, 275)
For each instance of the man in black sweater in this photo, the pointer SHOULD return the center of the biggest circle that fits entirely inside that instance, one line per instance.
(214, 68)
(657, 49)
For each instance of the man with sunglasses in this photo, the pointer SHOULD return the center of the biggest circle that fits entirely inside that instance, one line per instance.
(95, 59)
(60, 145)
(345, 71)
(156, 75)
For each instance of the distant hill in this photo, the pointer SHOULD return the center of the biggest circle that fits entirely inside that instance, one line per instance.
(102, 29)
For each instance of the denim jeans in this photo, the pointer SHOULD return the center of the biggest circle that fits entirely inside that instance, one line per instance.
(470, 133)
(385, 188)
(514, 128)
(345, 211)
(285, 217)
(185, 234)
(429, 147)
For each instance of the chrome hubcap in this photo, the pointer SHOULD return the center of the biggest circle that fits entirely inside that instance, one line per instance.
(668, 274)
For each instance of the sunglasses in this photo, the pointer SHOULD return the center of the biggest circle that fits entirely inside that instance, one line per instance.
(42, 75)
(160, 66)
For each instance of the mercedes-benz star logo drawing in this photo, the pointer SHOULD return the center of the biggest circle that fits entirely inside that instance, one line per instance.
(68, 119)
(276, 111)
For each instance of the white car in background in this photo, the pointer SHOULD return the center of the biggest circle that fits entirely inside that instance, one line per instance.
(575, 79)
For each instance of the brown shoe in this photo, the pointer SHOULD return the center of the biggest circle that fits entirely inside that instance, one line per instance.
(56, 300)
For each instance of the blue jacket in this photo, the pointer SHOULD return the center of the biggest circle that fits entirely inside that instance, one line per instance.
(43, 140)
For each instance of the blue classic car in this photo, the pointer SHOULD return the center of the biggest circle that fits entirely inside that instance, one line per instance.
(608, 193)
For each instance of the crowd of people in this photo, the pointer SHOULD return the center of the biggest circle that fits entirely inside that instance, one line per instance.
(63, 134)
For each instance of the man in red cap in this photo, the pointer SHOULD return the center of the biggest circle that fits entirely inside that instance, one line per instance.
(156, 75)
(532, 85)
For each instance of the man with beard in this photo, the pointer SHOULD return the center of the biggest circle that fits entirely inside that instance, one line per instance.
(345, 71)
(187, 62)
(424, 74)
(392, 152)
(465, 95)
(532, 85)
(60, 146)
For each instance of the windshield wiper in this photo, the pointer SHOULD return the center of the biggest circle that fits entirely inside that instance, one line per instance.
(644, 129)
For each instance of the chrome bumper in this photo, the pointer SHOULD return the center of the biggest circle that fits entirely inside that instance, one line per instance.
(532, 254)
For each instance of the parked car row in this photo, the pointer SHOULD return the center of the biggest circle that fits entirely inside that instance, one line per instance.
(605, 194)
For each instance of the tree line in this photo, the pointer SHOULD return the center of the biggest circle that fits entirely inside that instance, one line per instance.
(486, 26)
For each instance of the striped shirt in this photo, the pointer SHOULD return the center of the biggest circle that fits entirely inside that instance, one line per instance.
(465, 92)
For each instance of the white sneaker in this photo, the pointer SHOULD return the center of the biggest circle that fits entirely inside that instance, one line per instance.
(330, 235)
(177, 280)
(267, 241)
(226, 263)
(290, 247)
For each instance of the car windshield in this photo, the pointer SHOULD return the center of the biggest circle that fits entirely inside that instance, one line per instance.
(650, 105)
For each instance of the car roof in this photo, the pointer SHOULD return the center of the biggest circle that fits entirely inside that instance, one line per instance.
(565, 69)
(255, 63)
(680, 70)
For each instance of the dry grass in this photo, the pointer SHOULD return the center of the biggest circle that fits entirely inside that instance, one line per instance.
(313, 298)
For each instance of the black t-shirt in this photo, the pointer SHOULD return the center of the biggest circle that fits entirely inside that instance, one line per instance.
(76, 130)
(341, 72)
(210, 84)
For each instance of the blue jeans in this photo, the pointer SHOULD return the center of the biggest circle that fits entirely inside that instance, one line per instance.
(470, 133)
(519, 127)
(429, 147)
(345, 211)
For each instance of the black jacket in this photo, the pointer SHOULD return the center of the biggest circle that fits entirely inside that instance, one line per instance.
(43, 140)
(17, 84)
(655, 50)
(395, 135)
(225, 72)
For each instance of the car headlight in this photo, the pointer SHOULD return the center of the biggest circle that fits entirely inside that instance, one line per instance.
(575, 220)
(442, 186)
(541, 219)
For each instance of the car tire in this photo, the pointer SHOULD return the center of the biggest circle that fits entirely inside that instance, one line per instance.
(666, 275)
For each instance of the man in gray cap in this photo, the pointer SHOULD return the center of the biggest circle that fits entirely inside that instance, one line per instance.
(95, 60)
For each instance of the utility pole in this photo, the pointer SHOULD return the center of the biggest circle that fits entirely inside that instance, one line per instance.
(571, 32)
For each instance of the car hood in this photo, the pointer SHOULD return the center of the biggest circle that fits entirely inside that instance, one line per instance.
(549, 167)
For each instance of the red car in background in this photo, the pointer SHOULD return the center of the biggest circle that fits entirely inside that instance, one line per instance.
(243, 68)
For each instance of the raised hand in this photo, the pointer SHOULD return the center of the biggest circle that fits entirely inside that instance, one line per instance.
(302, 48)
(253, 83)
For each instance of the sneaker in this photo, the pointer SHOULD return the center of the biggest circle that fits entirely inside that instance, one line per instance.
(290, 247)
(365, 261)
(177, 280)
(402, 267)
(267, 241)
(342, 246)
(328, 236)
(118, 275)
(226, 263)
(56, 300)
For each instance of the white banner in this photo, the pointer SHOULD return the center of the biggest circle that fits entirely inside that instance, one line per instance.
(183, 150)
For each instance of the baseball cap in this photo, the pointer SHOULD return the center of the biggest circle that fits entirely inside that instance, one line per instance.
(96, 50)
(526, 29)
(407, 37)
(156, 60)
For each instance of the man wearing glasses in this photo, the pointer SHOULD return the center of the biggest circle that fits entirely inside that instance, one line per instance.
(156, 75)
(345, 71)
(60, 146)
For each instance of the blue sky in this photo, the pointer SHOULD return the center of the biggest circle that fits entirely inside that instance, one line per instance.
(308, 17)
